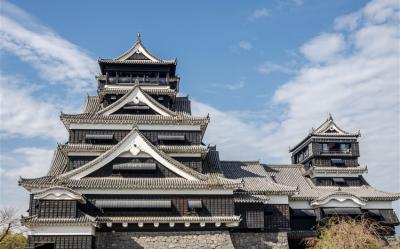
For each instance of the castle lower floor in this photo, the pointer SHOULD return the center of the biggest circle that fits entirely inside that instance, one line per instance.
(156, 240)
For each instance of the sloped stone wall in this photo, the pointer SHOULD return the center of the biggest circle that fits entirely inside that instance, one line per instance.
(260, 240)
(167, 240)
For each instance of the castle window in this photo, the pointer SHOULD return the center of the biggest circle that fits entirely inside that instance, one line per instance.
(339, 181)
(129, 203)
(345, 147)
(45, 245)
(99, 136)
(337, 162)
(134, 166)
(195, 204)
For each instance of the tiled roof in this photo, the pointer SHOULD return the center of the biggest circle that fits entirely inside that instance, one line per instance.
(138, 52)
(211, 163)
(184, 148)
(130, 183)
(256, 178)
(58, 163)
(183, 105)
(88, 220)
(329, 127)
(111, 61)
(93, 104)
(248, 198)
(104, 147)
(292, 175)
(206, 180)
(83, 220)
(166, 219)
(86, 118)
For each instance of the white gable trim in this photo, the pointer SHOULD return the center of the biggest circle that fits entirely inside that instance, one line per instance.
(138, 48)
(62, 230)
(347, 200)
(134, 144)
(59, 193)
(136, 96)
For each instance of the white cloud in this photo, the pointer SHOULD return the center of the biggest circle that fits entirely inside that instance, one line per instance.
(57, 60)
(259, 13)
(361, 88)
(348, 22)
(22, 114)
(324, 47)
(269, 67)
(245, 45)
(377, 12)
(26, 162)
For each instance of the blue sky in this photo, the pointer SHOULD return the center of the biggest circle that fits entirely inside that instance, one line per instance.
(266, 71)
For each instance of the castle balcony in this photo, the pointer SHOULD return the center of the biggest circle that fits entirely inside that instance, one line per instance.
(137, 80)
(345, 153)
(335, 152)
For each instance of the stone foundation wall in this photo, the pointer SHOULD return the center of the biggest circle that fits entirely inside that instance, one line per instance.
(260, 240)
(167, 240)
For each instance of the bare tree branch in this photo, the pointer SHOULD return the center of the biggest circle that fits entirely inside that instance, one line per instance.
(9, 221)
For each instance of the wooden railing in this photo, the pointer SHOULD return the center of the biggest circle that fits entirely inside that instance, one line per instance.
(335, 152)
(140, 80)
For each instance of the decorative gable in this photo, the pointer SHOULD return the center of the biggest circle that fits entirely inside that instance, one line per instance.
(134, 144)
(339, 199)
(138, 52)
(137, 97)
(59, 193)
(329, 126)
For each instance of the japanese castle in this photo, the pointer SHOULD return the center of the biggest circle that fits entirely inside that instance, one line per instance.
(135, 173)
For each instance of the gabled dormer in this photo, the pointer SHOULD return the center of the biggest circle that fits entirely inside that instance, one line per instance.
(134, 153)
(136, 101)
(327, 146)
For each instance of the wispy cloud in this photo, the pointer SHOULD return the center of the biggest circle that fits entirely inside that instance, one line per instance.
(25, 162)
(231, 86)
(56, 59)
(269, 67)
(245, 45)
(22, 114)
(259, 13)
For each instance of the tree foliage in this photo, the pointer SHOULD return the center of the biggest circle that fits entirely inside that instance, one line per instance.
(14, 241)
(349, 233)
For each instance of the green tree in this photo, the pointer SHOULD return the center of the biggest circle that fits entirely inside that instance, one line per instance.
(14, 241)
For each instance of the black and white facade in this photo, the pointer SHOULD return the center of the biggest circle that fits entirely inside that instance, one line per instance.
(135, 166)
